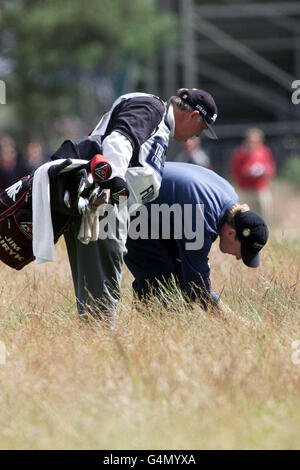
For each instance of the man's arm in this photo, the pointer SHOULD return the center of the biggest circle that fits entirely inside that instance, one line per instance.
(196, 275)
(131, 124)
(196, 279)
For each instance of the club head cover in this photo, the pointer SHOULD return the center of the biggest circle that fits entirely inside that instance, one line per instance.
(100, 168)
(118, 188)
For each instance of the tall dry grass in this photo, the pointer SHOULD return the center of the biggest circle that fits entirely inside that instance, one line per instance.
(167, 377)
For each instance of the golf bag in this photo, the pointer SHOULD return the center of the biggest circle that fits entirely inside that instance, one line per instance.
(16, 201)
(16, 224)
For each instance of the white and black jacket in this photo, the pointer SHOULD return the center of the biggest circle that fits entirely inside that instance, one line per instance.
(134, 136)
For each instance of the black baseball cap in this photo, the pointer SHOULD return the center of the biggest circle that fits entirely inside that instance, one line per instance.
(203, 102)
(253, 233)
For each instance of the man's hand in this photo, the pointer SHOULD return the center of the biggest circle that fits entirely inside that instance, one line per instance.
(103, 198)
(223, 310)
(226, 314)
(118, 188)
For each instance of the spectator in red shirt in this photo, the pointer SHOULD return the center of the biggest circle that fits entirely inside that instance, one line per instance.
(252, 168)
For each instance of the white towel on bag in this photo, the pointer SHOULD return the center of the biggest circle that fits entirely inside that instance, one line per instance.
(42, 228)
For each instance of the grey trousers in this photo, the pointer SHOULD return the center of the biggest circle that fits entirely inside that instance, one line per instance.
(97, 270)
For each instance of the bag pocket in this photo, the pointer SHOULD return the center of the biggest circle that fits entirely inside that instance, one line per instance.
(15, 241)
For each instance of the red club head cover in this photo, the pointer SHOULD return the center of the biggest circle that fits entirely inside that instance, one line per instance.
(100, 168)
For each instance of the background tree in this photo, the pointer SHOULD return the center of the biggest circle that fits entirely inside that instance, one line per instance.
(58, 52)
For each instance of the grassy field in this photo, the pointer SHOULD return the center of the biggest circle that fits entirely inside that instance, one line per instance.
(167, 378)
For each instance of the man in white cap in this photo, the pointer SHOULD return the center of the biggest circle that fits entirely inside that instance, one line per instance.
(127, 151)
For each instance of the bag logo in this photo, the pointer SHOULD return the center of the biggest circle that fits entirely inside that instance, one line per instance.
(13, 190)
(26, 227)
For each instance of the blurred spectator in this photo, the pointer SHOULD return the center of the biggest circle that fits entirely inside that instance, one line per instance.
(9, 171)
(32, 158)
(192, 152)
(252, 167)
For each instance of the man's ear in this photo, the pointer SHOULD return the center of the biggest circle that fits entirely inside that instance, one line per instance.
(231, 232)
(228, 231)
(194, 114)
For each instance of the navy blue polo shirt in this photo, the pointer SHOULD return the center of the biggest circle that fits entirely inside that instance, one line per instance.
(187, 186)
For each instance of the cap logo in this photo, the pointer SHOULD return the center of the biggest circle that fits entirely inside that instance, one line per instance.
(214, 117)
(246, 232)
(257, 246)
(201, 109)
